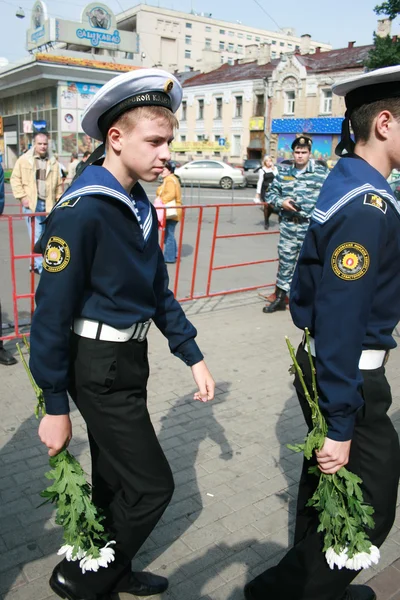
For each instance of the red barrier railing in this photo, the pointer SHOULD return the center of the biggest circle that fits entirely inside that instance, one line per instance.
(192, 295)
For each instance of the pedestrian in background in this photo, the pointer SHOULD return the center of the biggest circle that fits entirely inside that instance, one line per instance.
(346, 291)
(73, 163)
(170, 193)
(265, 177)
(294, 192)
(6, 358)
(36, 183)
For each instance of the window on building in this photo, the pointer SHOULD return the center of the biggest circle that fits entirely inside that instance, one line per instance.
(240, 48)
(260, 105)
(200, 138)
(290, 99)
(290, 46)
(222, 60)
(257, 39)
(188, 54)
(230, 61)
(231, 33)
(273, 42)
(282, 43)
(230, 47)
(188, 68)
(188, 39)
(222, 31)
(240, 35)
(218, 108)
(273, 54)
(326, 101)
(236, 145)
(239, 106)
(216, 139)
(200, 111)
(208, 28)
(208, 44)
(184, 109)
(183, 138)
(222, 45)
(249, 37)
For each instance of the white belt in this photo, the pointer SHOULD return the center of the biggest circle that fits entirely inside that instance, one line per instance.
(100, 331)
(369, 359)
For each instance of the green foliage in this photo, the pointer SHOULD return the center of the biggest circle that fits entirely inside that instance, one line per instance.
(343, 515)
(70, 492)
(385, 53)
(391, 8)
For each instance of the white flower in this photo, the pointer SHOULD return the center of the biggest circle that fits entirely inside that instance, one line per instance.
(68, 550)
(363, 560)
(107, 555)
(332, 558)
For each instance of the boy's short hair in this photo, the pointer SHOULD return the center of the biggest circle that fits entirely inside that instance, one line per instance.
(362, 117)
(130, 118)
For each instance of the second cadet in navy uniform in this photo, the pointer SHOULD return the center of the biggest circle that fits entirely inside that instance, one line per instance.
(103, 263)
(346, 291)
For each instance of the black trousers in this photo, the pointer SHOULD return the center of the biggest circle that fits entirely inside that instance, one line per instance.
(303, 573)
(132, 480)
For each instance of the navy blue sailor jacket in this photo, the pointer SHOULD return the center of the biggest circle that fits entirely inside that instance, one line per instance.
(101, 261)
(346, 286)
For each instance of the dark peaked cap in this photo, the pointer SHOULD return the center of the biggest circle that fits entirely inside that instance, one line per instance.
(367, 88)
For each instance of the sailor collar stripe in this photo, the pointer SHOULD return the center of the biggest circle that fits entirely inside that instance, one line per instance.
(322, 217)
(105, 191)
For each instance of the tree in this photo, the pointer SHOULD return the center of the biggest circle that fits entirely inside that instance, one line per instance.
(391, 8)
(385, 53)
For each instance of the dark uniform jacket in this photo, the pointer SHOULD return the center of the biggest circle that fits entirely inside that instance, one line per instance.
(346, 286)
(98, 265)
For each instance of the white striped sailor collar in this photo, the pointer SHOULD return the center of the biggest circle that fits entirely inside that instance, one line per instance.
(96, 180)
(376, 180)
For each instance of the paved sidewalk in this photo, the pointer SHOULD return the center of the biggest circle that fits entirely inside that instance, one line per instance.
(231, 514)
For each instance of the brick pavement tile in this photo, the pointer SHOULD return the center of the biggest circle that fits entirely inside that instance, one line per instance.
(245, 498)
(240, 562)
(242, 482)
(205, 582)
(36, 590)
(13, 579)
(386, 583)
(19, 555)
(205, 536)
(156, 557)
(212, 514)
(164, 534)
(22, 535)
(14, 507)
(200, 560)
(186, 508)
(241, 518)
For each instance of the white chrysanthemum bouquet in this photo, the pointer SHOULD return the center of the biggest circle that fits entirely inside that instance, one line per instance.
(343, 514)
(84, 536)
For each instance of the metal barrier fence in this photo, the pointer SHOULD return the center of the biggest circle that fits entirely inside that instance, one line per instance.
(215, 210)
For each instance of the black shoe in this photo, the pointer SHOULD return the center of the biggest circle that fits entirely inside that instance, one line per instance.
(359, 592)
(142, 584)
(278, 304)
(6, 358)
(68, 590)
(266, 226)
(247, 592)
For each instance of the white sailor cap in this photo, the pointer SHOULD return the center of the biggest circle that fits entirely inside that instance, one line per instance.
(380, 84)
(142, 87)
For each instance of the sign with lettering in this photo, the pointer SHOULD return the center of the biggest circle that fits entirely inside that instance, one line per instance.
(97, 29)
(197, 146)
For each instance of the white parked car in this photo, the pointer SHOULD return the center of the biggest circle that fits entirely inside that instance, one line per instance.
(211, 172)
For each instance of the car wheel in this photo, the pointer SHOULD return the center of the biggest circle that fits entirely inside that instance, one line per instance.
(226, 183)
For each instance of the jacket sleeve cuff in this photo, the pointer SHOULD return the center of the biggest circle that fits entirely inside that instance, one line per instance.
(189, 352)
(57, 403)
(340, 429)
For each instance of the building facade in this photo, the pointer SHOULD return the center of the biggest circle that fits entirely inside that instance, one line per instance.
(252, 108)
(179, 41)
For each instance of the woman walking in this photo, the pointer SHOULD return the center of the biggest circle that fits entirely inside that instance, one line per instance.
(265, 177)
(170, 192)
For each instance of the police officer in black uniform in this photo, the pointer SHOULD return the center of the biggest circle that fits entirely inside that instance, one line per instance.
(104, 281)
(346, 291)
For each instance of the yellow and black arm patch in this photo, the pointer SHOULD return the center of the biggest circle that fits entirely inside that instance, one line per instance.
(350, 261)
(376, 201)
(56, 255)
(70, 203)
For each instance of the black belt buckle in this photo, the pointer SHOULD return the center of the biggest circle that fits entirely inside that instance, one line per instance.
(141, 331)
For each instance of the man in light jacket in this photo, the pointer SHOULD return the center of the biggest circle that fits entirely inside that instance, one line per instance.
(36, 182)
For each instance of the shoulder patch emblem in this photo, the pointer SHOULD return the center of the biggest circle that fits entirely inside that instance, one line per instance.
(350, 261)
(71, 203)
(288, 178)
(56, 256)
(377, 201)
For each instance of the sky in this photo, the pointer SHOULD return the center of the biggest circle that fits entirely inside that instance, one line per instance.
(335, 22)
